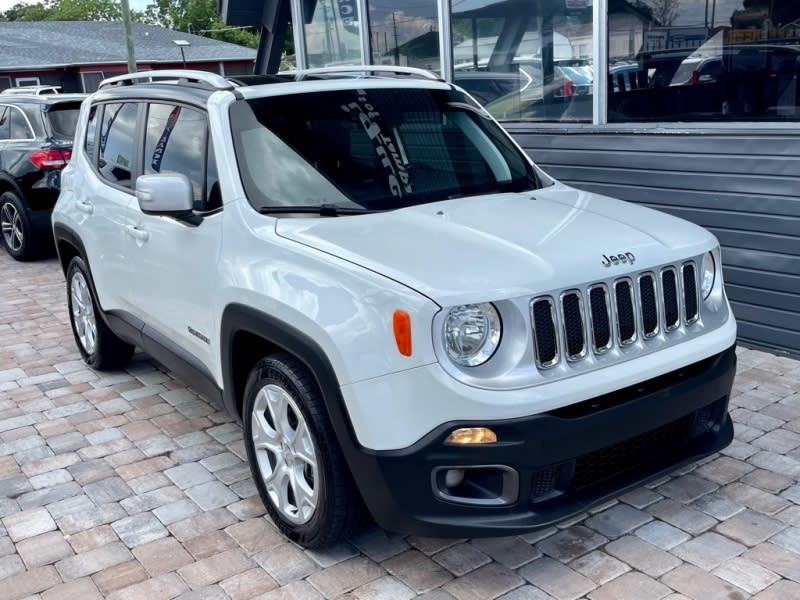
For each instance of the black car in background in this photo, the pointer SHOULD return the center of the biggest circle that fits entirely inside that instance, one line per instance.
(35, 144)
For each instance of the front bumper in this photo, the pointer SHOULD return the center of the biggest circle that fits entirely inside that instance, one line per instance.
(554, 464)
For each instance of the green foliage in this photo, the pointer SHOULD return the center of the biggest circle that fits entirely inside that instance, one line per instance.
(192, 16)
(64, 10)
(199, 17)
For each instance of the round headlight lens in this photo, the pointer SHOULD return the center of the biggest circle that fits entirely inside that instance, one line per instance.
(472, 333)
(708, 275)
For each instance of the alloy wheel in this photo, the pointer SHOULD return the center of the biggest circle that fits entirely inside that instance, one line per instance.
(83, 313)
(286, 454)
(11, 223)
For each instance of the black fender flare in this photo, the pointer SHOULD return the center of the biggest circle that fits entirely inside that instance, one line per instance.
(240, 318)
(64, 233)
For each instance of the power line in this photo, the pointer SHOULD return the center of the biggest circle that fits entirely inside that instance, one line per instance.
(226, 28)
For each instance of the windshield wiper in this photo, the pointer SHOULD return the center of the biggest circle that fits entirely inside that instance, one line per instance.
(323, 210)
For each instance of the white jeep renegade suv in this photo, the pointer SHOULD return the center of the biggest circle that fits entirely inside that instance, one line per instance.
(406, 314)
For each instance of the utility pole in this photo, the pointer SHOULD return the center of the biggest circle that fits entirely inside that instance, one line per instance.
(396, 44)
(126, 24)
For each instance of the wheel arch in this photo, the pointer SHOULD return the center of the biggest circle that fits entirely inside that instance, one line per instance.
(68, 246)
(248, 335)
(246, 329)
(7, 184)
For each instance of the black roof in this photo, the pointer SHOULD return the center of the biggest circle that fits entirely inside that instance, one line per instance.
(26, 45)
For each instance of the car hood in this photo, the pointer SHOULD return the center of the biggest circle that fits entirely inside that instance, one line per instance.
(505, 245)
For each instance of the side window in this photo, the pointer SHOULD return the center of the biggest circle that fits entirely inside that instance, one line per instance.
(4, 130)
(91, 132)
(117, 141)
(175, 142)
(19, 125)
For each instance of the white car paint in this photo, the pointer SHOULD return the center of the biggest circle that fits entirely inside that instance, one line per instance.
(340, 280)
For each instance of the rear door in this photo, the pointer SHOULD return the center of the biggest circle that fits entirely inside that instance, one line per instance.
(101, 206)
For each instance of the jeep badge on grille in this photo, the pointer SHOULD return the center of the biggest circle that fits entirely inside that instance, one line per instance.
(616, 259)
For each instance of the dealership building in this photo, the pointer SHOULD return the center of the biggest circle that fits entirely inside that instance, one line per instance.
(687, 106)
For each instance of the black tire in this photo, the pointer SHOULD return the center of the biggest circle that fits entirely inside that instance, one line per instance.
(107, 352)
(339, 511)
(17, 230)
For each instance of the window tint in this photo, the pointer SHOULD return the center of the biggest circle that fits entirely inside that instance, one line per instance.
(19, 129)
(115, 160)
(729, 61)
(176, 143)
(4, 131)
(376, 149)
(91, 131)
(63, 118)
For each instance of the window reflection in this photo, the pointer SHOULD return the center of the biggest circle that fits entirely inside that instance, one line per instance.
(332, 33)
(406, 36)
(115, 159)
(176, 143)
(530, 60)
(703, 60)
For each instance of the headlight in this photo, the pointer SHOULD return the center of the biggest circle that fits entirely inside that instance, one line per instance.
(708, 275)
(472, 333)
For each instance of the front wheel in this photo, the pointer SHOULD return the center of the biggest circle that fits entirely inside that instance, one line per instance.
(98, 345)
(295, 460)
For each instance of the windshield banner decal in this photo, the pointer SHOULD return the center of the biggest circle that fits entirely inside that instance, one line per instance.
(396, 172)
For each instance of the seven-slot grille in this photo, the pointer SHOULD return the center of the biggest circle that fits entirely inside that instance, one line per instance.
(614, 314)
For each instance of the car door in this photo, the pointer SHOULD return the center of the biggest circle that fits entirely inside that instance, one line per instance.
(101, 206)
(173, 263)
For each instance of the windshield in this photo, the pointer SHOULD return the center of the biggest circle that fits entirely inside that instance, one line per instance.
(63, 118)
(373, 149)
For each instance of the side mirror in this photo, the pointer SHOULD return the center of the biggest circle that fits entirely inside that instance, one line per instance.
(168, 194)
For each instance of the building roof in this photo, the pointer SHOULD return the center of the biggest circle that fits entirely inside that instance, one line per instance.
(27, 45)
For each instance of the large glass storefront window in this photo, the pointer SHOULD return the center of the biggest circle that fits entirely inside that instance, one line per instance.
(404, 33)
(703, 60)
(332, 33)
(527, 59)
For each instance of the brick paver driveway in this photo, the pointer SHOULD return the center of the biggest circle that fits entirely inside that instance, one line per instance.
(129, 485)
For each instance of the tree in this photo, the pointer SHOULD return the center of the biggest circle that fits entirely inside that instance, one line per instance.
(199, 17)
(665, 11)
(192, 16)
(64, 10)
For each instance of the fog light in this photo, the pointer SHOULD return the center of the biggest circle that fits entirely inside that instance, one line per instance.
(472, 435)
(453, 477)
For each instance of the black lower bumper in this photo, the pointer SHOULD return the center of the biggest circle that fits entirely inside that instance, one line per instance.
(550, 466)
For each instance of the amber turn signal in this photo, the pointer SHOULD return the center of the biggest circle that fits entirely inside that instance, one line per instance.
(472, 435)
(402, 331)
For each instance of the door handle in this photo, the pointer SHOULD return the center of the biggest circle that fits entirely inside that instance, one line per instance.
(86, 207)
(138, 234)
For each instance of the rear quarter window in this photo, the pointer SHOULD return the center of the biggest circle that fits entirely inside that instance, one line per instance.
(63, 118)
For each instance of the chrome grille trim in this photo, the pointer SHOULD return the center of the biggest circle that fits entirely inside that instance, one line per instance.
(672, 325)
(621, 339)
(654, 287)
(564, 325)
(606, 301)
(634, 308)
(687, 319)
(554, 320)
